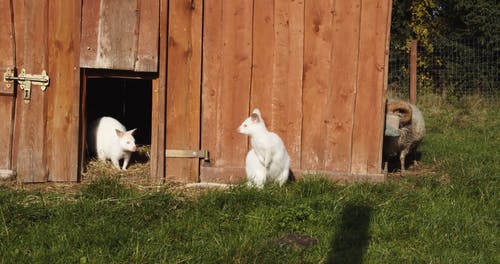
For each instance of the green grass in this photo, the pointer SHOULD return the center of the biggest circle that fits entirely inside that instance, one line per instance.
(450, 215)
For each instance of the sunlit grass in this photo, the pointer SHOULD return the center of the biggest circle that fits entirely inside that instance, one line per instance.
(448, 216)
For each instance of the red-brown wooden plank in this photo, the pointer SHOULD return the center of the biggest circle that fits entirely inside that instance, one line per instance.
(287, 82)
(6, 109)
(157, 165)
(120, 35)
(263, 58)
(19, 24)
(233, 104)
(7, 61)
(368, 114)
(6, 41)
(64, 91)
(90, 32)
(147, 48)
(344, 77)
(233, 49)
(183, 87)
(317, 90)
(31, 117)
(212, 79)
(117, 35)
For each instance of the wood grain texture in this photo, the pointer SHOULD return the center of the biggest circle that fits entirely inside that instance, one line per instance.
(7, 61)
(211, 79)
(90, 32)
(6, 130)
(63, 95)
(228, 42)
(288, 76)
(368, 113)
(19, 24)
(7, 44)
(147, 46)
(263, 59)
(233, 103)
(158, 118)
(183, 87)
(120, 35)
(344, 84)
(317, 93)
(30, 127)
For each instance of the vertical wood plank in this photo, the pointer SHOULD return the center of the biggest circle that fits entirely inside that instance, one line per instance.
(287, 82)
(263, 58)
(147, 49)
(31, 117)
(7, 61)
(368, 113)
(233, 103)
(19, 25)
(317, 82)
(228, 49)
(120, 35)
(344, 76)
(6, 126)
(158, 118)
(90, 32)
(6, 41)
(117, 35)
(183, 86)
(64, 91)
(212, 78)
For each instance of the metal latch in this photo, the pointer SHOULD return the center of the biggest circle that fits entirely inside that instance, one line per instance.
(181, 153)
(26, 80)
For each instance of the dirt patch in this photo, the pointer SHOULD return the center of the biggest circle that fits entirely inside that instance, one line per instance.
(419, 170)
(297, 240)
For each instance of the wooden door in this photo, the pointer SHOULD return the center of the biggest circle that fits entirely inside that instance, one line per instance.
(43, 36)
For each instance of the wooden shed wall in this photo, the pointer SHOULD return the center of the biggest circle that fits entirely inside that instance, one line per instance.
(315, 68)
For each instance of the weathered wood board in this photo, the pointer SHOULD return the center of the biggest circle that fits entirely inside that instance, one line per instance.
(120, 35)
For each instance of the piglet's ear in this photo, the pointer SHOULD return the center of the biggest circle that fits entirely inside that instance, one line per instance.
(255, 118)
(119, 133)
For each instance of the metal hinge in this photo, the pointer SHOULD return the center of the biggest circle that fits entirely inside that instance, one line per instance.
(181, 153)
(26, 80)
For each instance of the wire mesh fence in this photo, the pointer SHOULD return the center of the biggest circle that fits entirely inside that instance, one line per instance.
(449, 69)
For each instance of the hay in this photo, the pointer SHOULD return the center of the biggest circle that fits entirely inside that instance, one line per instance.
(137, 173)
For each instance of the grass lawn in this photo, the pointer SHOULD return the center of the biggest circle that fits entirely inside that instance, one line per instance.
(448, 212)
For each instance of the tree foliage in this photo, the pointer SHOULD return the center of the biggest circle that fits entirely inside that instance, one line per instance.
(458, 42)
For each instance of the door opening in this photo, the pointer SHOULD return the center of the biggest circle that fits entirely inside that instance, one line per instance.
(128, 99)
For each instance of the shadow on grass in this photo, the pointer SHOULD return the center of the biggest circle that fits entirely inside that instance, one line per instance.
(352, 237)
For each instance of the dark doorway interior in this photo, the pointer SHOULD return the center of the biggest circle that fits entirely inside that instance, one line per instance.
(127, 100)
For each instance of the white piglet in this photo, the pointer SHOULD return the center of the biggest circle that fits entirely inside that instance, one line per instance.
(113, 141)
(268, 159)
